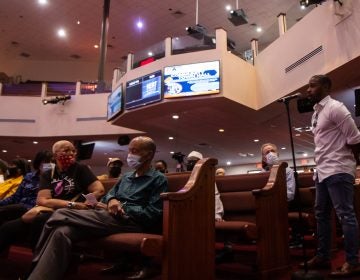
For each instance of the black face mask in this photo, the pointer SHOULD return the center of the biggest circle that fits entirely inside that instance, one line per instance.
(13, 171)
(190, 165)
(114, 171)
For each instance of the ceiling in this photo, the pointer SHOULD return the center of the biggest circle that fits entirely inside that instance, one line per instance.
(29, 29)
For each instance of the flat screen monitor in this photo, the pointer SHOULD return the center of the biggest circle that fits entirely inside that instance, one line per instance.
(114, 103)
(143, 91)
(192, 79)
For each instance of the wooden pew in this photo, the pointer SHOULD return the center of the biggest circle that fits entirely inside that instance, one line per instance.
(186, 245)
(256, 210)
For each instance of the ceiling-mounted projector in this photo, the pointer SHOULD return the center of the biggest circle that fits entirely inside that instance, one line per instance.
(238, 17)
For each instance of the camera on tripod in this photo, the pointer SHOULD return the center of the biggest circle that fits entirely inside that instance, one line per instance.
(179, 157)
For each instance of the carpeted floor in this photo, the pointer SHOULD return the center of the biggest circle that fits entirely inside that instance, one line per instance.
(18, 262)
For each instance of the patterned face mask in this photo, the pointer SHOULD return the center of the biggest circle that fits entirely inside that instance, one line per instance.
(272, 158)
(66, 161)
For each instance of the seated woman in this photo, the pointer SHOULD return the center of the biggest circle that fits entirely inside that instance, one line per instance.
(60, 187)
(16, 171)
(24, 198)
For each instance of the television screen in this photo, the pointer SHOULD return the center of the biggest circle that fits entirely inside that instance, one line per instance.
(143, 91)
(192, 79)
(114, 103)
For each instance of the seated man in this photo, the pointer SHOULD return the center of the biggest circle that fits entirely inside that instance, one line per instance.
(24, 198)
(161, 166)
(270, 157)
(136, 206)
(59, 187)
(114, 169)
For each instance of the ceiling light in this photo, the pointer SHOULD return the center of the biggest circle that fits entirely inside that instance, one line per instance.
(35, 142)
(283, 148)
(150, 54)
(256, 140)
(139, 24)
(238, 17)
(228, 7)
(96, 46)
(172, 152)
(221, 130)
(305, 154)
(258, 29)
(61, 33)
(171, 138)
(175, 117)
(228, 163)
(297, 134)
(78, 22)
(29, 160)
(4, 151)
(42, 2)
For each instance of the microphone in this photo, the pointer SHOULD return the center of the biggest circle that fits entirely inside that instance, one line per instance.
(289, 97)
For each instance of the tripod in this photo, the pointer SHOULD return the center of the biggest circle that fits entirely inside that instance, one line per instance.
(304, 273)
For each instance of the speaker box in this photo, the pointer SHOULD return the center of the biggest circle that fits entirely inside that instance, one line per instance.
(84, 151)
(123, 140)
(304, 105)
(357, 102)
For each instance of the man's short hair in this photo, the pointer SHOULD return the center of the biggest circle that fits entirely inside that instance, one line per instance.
(113, 160)
(323, 80)
(147, 143)
(58, 144)
(268, 144)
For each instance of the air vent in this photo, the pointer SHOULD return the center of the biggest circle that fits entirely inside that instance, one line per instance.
(303, 59)
(24, 54)
(178, 14)
(75, 56)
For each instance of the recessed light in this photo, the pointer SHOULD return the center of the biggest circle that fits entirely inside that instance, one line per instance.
(150, 54)
(258, 29)
(78, 22)
(175, 117)
(283, 148)
(139, 24)
(35, 142)
(228, 163)
(305, 154)
(4, 151)
(256, 140)
(42, 2)
(171, 138)
(61, 32)
(172, 152)
(297, 134)
(29, 160)
(228, 7)
(221, 130)
(96, 46)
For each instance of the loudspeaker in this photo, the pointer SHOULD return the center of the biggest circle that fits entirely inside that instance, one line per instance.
(123, 140)
(357, 102)
(84, 151)
(304, 105)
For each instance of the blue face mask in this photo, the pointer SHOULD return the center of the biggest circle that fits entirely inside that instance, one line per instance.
(134, 161)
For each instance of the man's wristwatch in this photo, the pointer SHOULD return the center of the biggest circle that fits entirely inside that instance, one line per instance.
(71, 204)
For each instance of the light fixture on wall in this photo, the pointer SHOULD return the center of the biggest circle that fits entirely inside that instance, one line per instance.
(56, 100)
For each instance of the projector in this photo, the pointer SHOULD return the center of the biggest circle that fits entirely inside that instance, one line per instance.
(196, 29)
(238, 17)
(307, 3)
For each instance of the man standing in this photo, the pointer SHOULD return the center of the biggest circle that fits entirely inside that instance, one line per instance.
(135, 206)
(337, 140)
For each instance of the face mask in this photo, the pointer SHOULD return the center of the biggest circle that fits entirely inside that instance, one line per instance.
(47, 166)
(114, 171)
(12, 171)
(190, 165)
(66, 161)
(272, 158)
(2, 179)
(133, 161)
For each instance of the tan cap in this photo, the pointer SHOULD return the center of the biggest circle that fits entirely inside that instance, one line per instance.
(195, 154)
(114, 160)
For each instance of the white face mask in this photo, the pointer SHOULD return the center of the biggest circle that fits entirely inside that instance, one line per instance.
(272, 158)
(133, 161)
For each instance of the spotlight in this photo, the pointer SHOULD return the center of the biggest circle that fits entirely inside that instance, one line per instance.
(196, 31)
(238, 17)
(307, 3)
(56, 100)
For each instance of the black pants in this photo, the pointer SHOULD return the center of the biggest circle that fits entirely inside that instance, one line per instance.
(16, 231)
(11, 212)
